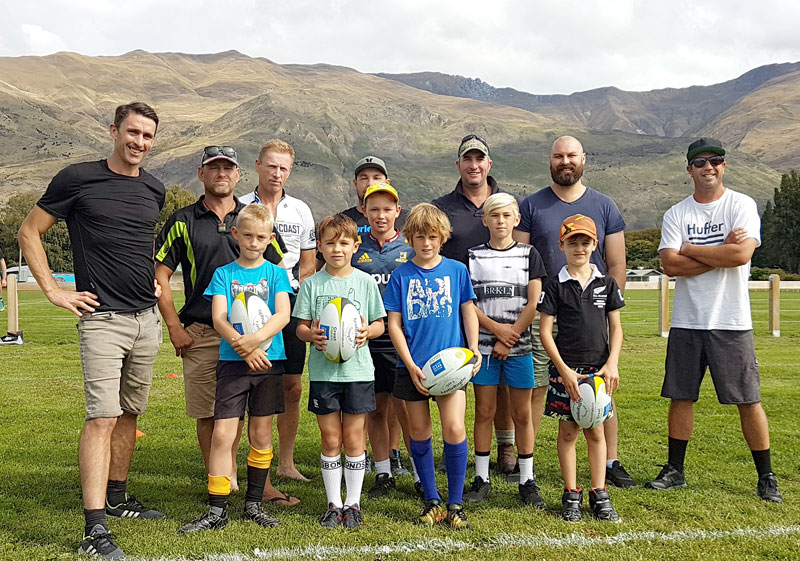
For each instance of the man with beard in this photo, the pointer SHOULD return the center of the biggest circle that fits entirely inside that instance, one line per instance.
(542, 215)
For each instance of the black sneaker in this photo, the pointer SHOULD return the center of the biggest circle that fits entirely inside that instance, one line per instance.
(513, 477)
(419, 490)
(367, 463)
(255, 511)
(618, 477)
(215, 519)
(478, 491)
(456, 518)
(768, 488)
(433, 512)
(101, 543)
(384, 484)
(529, 494)
(397, 465)
(668, 478)
(332, 517)
(351, 517)
(600, 503)
(571, 505)
(132, 508)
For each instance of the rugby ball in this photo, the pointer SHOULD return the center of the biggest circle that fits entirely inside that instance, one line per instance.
(595, 404)
(340, 322)
(249, 313)
(448, 370)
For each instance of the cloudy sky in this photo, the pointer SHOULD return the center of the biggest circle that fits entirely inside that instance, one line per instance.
(541, 47)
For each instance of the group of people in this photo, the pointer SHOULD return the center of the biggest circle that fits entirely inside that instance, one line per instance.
(532, 287)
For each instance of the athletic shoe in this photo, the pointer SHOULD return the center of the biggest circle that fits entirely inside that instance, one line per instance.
(617, 476)
(456, 518)
(571, 505)
(367, 463)
(668, 478)
(351, 517)
(768, 488)
(529, 494)
(132, 508)
(332, 517)
(600, 503)
(397, 464)
(384, 484)
(255, 511)
(478, 491)
(505, 458)
(215, 519)
(432, 513)
(101, 543)
(513, 477)
(12, 339)
(419, 490)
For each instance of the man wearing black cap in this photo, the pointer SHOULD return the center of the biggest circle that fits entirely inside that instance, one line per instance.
(707, 241)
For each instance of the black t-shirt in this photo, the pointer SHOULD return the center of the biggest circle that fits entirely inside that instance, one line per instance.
(1, 254)
(582, 316)
(465, 219)
(111, 219)
(192, 238)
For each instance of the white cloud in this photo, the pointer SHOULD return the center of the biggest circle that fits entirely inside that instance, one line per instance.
(40, 41)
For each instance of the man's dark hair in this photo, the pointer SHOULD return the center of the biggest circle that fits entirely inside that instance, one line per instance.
(137, 107)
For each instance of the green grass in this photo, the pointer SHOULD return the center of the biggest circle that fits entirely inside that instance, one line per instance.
(41, 415)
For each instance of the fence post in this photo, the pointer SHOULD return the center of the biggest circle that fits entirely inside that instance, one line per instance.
(13, 304)
(663, 305)
(775, 305)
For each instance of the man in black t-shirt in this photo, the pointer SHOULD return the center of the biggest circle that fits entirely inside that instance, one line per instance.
(111, 208)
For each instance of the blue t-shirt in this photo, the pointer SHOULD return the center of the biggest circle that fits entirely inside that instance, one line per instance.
(543, 213)
(430, 301)
(264, 281)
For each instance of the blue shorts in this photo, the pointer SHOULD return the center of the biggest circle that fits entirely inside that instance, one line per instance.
(515, 372)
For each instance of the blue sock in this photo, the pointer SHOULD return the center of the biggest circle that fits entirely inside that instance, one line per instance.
(422, 452)
(455, 461)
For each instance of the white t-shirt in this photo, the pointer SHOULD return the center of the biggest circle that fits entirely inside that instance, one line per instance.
(719, 298)
(296, 226)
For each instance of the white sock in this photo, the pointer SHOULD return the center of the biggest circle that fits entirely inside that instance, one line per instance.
(610, 462)
(332, 478)
(414, 469)
(384, 466)
(482, 466)
(525, 469)
(354, 478)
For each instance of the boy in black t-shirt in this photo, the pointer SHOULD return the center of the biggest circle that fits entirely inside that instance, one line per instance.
(586, 305)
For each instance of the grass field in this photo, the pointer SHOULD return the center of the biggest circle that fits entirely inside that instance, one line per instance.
(718, 517)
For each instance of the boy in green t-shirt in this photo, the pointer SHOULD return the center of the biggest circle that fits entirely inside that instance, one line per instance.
(340, 394)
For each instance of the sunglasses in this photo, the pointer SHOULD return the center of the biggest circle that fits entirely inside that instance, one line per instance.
(217, 151)
(713, 160)
(474, 137)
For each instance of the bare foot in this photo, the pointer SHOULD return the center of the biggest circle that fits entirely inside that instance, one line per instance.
(235, 479)
(290, 473)
(272, 495)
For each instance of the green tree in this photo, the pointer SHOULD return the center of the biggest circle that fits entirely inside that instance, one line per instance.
(780, 236)
(641, 248)
(56, 241)
(177, 198)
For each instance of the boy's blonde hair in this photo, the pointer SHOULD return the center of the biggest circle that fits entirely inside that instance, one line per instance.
(276, 145)
(257, 213)
(337, 226)
(425, 219)
(500, 200)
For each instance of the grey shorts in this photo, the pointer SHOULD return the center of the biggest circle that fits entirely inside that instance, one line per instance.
(729, 355)
(540, 359)
(117, 355)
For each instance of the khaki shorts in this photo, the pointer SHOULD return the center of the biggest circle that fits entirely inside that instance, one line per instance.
(200, 371)
(117, 355)
(540, 358)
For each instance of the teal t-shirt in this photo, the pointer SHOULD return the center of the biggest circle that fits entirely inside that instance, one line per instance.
(315, 293)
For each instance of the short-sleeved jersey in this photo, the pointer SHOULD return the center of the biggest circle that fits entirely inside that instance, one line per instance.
(719, 298)
(295, 223)
(542, 214)
(500, 278)
(582, 315)
(111, 220)
(264, 281)
(316, 292)
(379, 260)
(465, 219)
(430, 303)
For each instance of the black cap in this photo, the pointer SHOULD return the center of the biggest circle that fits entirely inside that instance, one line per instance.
(701, 145)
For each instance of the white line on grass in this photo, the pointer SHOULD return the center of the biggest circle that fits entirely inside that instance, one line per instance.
(443, 546)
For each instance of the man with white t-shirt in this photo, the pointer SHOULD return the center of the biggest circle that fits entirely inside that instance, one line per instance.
(295, 224)
(707, 241)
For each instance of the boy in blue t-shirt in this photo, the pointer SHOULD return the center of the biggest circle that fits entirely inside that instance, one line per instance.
(426, 299)
(248, 378)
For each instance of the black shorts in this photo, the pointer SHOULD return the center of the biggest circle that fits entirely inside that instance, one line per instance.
(385, 371)
(294, 347)
(240, 389)
(352, 398)
(729, 355)
(405, 389)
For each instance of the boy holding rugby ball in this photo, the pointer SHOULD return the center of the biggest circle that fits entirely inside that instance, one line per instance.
(428, 299)
(340, 394)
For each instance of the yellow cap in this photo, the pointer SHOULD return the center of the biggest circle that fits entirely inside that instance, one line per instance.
(381, 187)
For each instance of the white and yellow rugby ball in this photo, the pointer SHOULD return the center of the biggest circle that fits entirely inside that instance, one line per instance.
(595, 404)
(249, 313)
(448, 370)
(340, 322)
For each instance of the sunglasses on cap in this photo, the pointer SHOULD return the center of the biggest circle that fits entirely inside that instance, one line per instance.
(477, 137)
(218, 151)
(713, 160)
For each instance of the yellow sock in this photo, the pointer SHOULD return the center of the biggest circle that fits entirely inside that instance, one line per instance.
(219, 484)
(261, 459)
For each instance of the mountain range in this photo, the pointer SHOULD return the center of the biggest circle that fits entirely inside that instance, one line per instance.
(55, 110)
